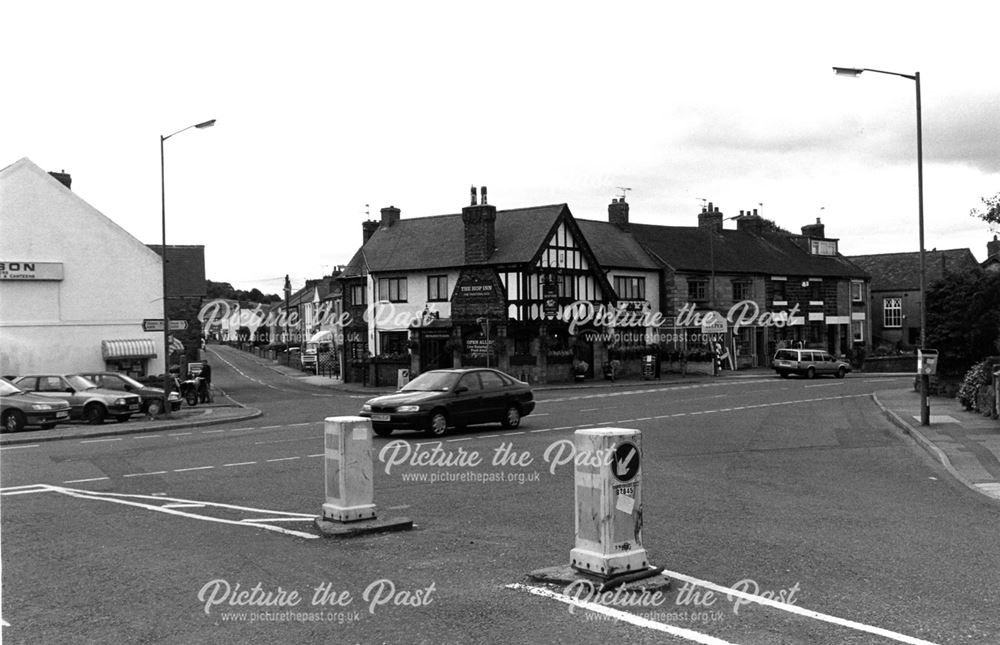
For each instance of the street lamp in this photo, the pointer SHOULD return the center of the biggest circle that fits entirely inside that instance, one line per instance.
(925, 411)
(163, 256)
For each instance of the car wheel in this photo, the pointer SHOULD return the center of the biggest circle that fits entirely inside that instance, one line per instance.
(122, 418)
(841, 372)
(191, 397)
(382, 432)
(94, 414)
(811, 373)
(783, 374)
(13, 421)
(438, 424)
(512, 417)
(154, 407)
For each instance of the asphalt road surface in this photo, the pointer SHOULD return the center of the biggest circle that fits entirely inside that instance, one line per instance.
(795, 493)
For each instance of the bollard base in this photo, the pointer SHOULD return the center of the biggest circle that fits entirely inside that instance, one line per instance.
(362, 527)
(649, 579)
(334, 513)
(606, 566)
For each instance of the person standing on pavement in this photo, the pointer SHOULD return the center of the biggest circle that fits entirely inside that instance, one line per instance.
(205, 393)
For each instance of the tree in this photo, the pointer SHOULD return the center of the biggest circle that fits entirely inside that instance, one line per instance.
(963, 318)
(989, 212)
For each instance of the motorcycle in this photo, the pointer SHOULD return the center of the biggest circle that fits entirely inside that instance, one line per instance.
(188, 389)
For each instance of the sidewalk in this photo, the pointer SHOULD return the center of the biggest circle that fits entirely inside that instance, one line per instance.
(966, 443)
(223, 410)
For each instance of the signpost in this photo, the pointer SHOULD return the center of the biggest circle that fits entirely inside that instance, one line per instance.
(156, 324)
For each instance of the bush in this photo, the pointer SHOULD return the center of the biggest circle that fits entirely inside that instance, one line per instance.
(978, 376)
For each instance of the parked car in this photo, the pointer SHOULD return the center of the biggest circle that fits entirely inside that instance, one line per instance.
(86, 400)
(152, 397)
(439, 399)
(19, 409)
(809, 363)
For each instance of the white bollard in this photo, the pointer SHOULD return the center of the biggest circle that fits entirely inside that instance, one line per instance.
(350, 458)
(608, 502)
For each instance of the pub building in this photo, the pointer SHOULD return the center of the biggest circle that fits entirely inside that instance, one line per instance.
(486, 287)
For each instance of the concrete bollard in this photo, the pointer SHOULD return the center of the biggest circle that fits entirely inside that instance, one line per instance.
(350, 458)
(608, 502)
(350, 483)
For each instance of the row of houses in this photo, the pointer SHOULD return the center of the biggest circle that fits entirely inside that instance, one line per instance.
(534, 291)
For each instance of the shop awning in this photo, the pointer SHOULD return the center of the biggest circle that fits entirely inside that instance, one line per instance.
(136, 348)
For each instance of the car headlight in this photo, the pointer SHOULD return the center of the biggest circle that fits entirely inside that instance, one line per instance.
(174, 396)
(41, 406)
(408, 408)
(120, 402)
(366, 408)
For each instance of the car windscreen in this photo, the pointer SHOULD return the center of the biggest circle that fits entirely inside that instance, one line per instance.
(77, 382)
(432, 382)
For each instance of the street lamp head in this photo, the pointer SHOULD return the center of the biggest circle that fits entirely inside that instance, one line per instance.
(847, 71)
(206, 124)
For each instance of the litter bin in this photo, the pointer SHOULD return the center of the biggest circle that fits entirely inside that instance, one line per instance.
(649, 367)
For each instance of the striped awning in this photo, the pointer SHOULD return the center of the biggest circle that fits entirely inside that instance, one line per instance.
(136, 348)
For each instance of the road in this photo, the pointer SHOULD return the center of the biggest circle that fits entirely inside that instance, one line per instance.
(788, 489)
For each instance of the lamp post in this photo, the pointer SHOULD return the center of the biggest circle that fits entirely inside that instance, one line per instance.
(163, 256)
(925, 410)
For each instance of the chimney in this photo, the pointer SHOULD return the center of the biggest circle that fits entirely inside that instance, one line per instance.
(993, 248)
(710, 218)
(814, 230)
(63, 178)
(753, 224)
(390, 215)
(369, 227)
(618, 212)
(480, 229)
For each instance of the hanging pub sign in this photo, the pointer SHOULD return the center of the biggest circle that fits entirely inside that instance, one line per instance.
(478, 293)
(550, 298)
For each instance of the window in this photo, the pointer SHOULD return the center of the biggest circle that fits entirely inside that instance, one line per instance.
(697, 289)
(824, 247)
(857, 291)
(470, 381)
(392, 289)
(742, 290)
(567, 287)
(491, 381)
(892, 312)
(779, 290)
(816, 291)
(392, 342)
(630, 287)
(359, 295)
(437, 288)
(858, 329)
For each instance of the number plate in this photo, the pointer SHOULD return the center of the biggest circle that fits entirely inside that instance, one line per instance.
(62, 415)
(380, 417)
(134, 406)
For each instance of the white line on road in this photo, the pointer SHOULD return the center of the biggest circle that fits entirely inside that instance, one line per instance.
(242, 463)
(268, 427)
(541, 430)
(459, 439)
(158, 472)
(318, 454)
(623, 616)
(184, 470)
(826, 385)
(282, 459)
(179, 434)
(100, 440)
(147, 436)
(212, 431)
(82, 481)
(34, 445)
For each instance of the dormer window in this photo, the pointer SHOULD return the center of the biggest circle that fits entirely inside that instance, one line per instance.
(824, 247)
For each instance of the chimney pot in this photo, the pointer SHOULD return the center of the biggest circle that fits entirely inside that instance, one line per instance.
(472, 189)
(618, 212)
(390, 216)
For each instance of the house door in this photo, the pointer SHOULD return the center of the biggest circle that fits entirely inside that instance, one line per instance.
(434, 355)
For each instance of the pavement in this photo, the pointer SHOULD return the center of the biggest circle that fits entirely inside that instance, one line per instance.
(966, 443)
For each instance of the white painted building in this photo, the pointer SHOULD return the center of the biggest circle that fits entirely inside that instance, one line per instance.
(74, 286)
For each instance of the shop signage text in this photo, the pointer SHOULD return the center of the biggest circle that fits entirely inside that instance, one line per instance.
(31, 270)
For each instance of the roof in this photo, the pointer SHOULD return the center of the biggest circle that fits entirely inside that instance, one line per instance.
(901, 271)
(690, 248)
(615, 248)
(438, 241)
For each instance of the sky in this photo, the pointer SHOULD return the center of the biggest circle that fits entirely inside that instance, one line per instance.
(328, 111)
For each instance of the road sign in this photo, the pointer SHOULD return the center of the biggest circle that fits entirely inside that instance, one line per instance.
(626, 464)
(156, 324)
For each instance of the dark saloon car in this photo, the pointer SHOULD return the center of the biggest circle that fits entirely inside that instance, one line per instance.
(19, 409)
(152, 397)
(86, 400)
(439, 399)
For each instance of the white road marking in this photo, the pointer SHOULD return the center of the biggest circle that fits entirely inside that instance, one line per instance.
(34, 445)
(459, 439)
(184, 470)
(158, 472)
(212, 431)
(826, 385)
(623, 616)
(184, 505)
(147, 436)
(511, 434)
(242, 463)
(541, 430)
(81, 481)
(282, 459)
(100, 440)
(318, 454)
(179, 434)
(268, 427)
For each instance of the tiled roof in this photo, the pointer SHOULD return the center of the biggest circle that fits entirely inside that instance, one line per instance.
(901, 271)
(614, 247)
(439, 241)
(689, 248)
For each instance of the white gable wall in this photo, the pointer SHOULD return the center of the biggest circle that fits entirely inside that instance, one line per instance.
(111, 281)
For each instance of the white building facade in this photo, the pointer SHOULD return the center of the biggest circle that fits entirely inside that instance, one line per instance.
(74, 286)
